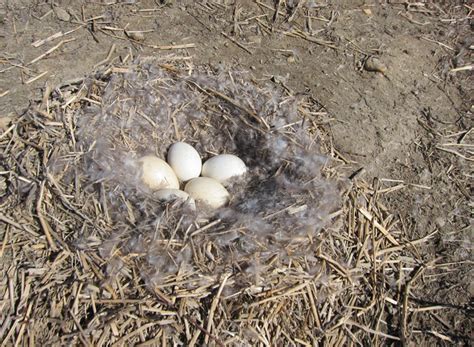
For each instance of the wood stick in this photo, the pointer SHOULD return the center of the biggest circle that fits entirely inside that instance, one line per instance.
(44, 223)
(4, 93)
(59, 34)
(51, 50)
(237, 43)
(33, 79)
(378, 226)
(214, 304)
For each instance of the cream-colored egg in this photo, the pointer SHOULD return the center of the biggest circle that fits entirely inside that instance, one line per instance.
(175, 194)
(185, 161)
(208, 191)
(223, 167)
(157, 174)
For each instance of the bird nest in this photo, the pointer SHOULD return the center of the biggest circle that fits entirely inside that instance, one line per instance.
(298, 255)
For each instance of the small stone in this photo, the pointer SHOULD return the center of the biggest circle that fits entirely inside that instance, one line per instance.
(374, 64)
(256, 39)
(135, 35)
(470, 288)
(62, 14)
(6, 121)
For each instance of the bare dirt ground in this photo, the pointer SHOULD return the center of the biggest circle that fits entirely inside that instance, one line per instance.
(393, 76)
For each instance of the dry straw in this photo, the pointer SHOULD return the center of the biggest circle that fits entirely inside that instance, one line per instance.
(93, 259)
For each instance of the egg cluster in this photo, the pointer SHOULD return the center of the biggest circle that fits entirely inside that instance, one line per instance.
(203, 183)
(273, 211)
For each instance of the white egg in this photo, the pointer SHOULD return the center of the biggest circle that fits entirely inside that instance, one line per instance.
(185, 161)
(175, 194)
(208, 191)
(157, 174)
(223, 167)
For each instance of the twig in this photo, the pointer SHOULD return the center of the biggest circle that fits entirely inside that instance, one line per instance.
(107, 58)
(295, 11)
(204, 228)
(39, 43)
(437, 42)
(236, 104)
(7, 220)
(164, 48)
(455, 153)
(44, 223)
(338, 267)
(215, 301)
(405, 245)
(303, 35)
(372, 331)
(377, 225)
(33, 79)
(236, 43)
(82, 334)
(4, 93)
(51, 50)
(170, 47)
(408, 16)
(406, 291)
(295, 290)
(463, 68)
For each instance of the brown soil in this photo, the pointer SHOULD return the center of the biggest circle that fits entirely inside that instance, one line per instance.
(389, 125)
